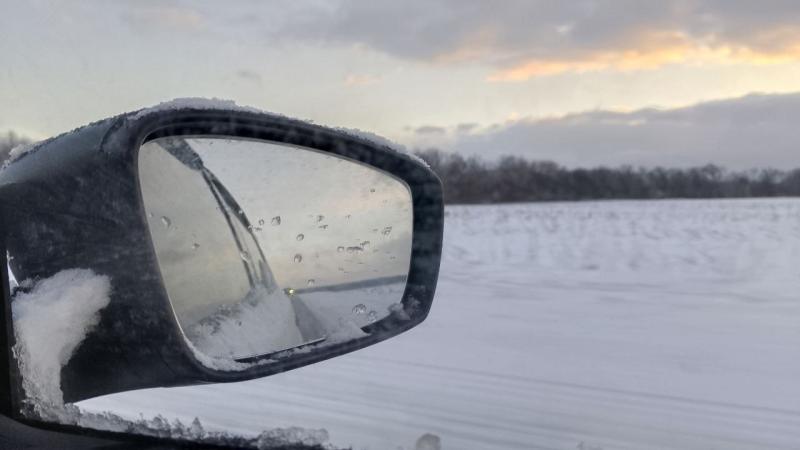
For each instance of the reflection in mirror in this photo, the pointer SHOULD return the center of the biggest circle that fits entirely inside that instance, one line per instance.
(265, 247)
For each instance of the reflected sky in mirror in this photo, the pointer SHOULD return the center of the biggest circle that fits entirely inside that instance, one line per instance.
(321, 220)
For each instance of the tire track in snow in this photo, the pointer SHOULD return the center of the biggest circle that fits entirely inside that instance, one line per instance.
(487, 410)
(555, 410)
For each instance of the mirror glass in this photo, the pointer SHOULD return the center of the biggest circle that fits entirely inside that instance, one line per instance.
(265, 247)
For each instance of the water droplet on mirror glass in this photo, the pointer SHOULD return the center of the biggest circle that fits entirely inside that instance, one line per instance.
(386, 231)
(298, 258)
(354, 250)
(323, 227)
(372, 190)
(359, 309)
(310, 282)
(166, 221)
(364, 244)
(195, 246)
(261, 222)
(372, 316)
(320, 218)
(150, 215)
(245, 256)
(300, 237)
(340, 249)
(347, 217)
(276, 221)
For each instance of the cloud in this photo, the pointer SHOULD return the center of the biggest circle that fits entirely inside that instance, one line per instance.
(429, 129)
(164, 16)
(361, 80)
(520, 39)
(757, 130)
(515, 39)
(466, 127)
(249, 75)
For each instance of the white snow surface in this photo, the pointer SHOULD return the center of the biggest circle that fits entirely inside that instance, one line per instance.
(50, 322)
(668, 324)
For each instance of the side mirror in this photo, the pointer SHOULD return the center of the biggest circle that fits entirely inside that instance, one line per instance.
(194, 243)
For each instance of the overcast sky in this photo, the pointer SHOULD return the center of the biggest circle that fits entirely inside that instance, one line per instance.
(584, 82)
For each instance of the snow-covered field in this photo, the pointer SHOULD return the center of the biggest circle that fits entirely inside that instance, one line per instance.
(596, 325)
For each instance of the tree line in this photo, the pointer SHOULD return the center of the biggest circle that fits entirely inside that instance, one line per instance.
(516, 179)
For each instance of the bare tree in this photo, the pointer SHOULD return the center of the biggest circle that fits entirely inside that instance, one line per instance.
(516, 179)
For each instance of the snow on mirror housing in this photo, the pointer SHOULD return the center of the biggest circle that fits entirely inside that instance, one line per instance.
(255, 262)
(195, 244)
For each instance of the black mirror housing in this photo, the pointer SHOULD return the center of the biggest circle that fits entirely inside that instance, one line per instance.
(74, 202)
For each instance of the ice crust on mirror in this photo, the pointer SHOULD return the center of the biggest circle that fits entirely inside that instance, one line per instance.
(18, 151)
(214, 103)
(195, 432)
(197, 103)
(230, 105)
(50, 322)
